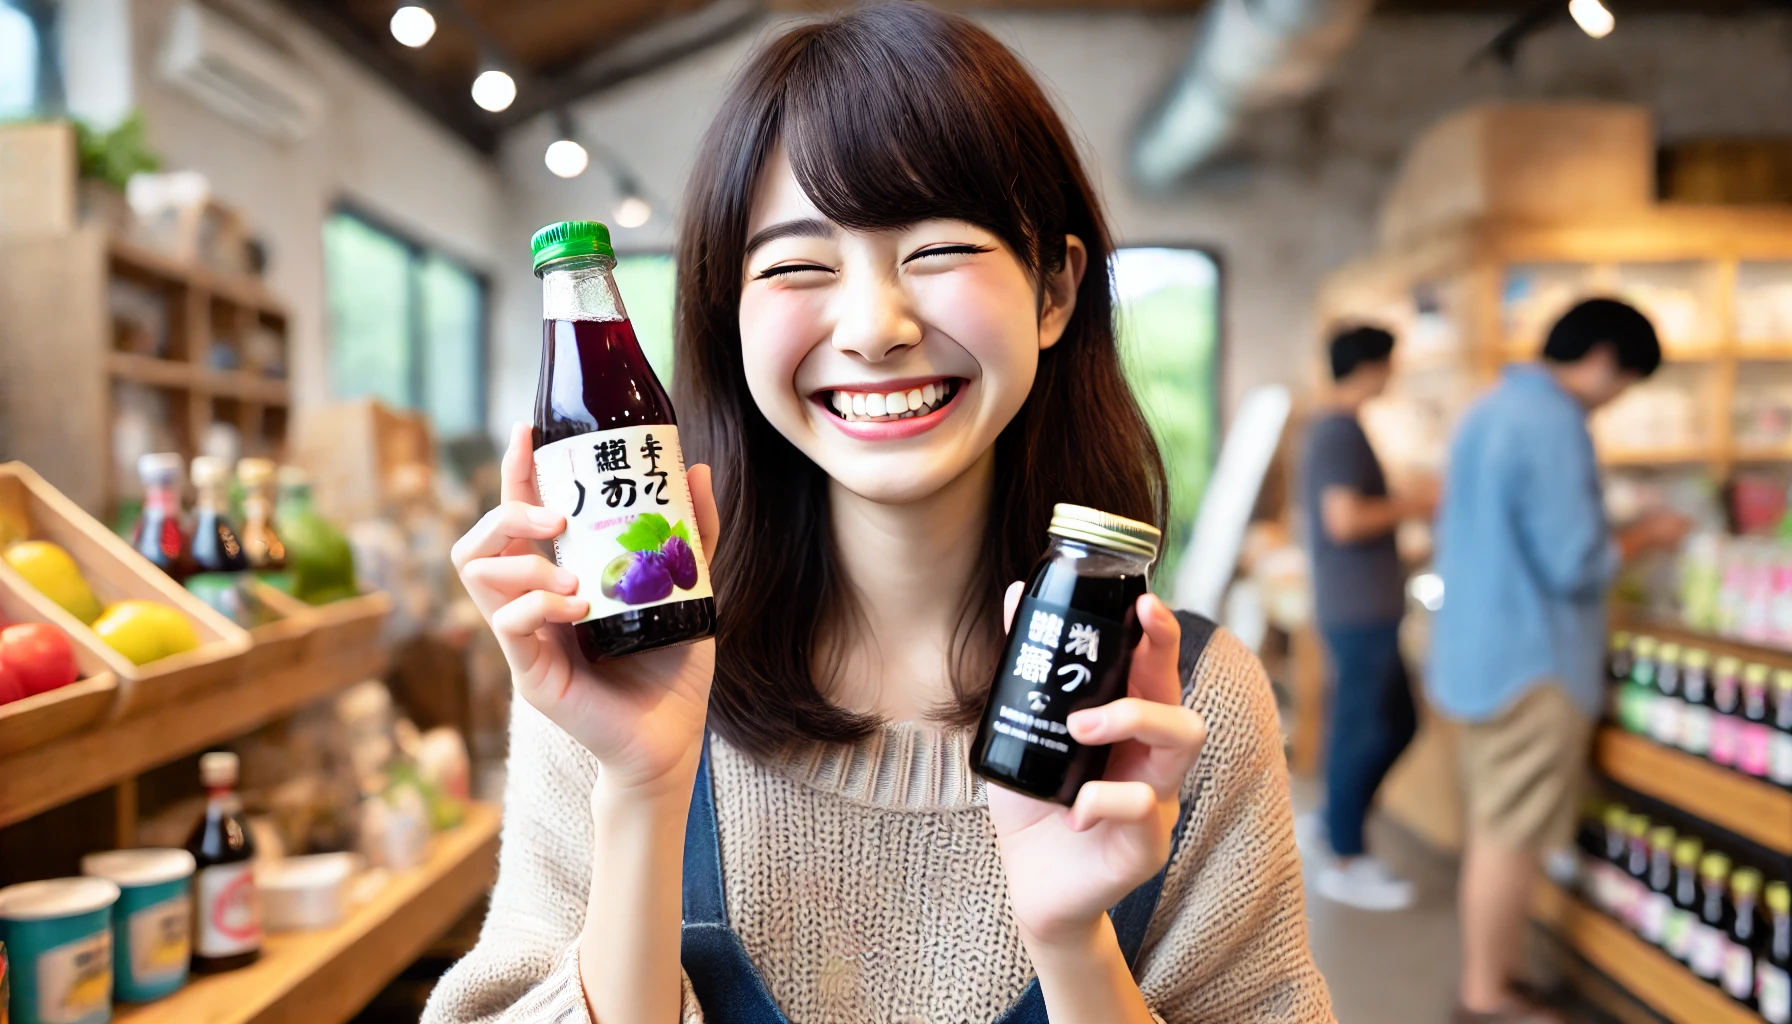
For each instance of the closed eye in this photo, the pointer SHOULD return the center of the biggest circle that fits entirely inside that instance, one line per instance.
(950, 250)
(789, 268)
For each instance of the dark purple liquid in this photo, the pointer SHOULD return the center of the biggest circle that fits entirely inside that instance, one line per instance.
(595, 377)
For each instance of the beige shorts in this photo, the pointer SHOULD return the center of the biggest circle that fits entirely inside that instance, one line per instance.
(1523, 772)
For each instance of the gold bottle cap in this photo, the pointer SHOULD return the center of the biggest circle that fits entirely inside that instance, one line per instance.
(1103, 529)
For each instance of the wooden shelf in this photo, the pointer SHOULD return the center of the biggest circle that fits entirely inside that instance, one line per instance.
(1645, 971)
(245, 386)
(47, 776)
(326, 977)
(1656, 456)
(1630, 621)
(1748, 807)
(234, 288)
(162, 373)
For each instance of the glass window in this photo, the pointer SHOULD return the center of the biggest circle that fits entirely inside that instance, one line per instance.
(647, 293)
(18, 62)
(1168, 315)
(407, 325)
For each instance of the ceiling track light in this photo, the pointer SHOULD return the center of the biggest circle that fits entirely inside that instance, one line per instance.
(565, 157)
(1592, 17)
(413, 25)
(494, 90)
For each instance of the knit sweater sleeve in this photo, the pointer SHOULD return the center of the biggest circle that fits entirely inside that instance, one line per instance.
(1229, 940)
(525, 968)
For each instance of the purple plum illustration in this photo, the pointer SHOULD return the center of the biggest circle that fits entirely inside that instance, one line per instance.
(645, 580)
(681, 562)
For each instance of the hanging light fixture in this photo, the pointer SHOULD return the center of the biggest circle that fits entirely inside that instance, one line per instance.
(633, 209)
(1592, 17)
(565, 157)
(413, 25)
(494, 90)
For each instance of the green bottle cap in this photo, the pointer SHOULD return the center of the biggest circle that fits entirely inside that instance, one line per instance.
(570, 239)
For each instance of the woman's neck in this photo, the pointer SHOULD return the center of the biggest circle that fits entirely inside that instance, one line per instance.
(908, 568)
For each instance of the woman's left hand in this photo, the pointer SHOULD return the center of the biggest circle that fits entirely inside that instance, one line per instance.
(1067, 865)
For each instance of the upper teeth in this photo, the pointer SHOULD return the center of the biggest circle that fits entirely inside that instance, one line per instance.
(867, 405)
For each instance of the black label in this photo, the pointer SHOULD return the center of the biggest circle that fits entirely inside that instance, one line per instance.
(1059, 660)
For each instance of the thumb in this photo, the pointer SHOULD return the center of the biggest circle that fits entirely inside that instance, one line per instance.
(703, 503)
(1010, 601)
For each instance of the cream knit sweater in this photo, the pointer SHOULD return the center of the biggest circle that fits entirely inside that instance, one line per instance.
(865, 883)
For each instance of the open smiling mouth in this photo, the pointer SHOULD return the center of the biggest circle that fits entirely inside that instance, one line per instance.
(890, 406)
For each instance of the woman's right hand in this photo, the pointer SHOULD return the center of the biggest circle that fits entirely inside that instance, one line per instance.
(642, 716)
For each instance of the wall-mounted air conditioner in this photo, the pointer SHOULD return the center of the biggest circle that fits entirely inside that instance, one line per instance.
(228, 69)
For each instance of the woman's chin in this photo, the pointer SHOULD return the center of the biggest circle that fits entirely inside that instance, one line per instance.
(898, 479)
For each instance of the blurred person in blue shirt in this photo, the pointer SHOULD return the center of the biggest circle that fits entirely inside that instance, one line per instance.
(1359, 597)
(1526, 558)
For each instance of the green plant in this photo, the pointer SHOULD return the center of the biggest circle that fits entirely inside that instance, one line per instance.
(113, 156)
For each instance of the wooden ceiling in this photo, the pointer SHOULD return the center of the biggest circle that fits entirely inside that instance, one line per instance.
(559, 50)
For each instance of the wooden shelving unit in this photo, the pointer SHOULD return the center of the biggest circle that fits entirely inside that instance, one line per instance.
(47, 776)
(1629, 621)
(1748, 807)
(325, 977)
(1644, 971)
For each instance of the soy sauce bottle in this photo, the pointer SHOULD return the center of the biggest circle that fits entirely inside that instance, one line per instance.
(1658, 902)
(1745, 937)
(1677, 936)
(1070, 647)
(607, 457)
(1668, 708)
(159, 535)
(1773, 981)
(1711, 935)
(227, 933)
(1695, 692)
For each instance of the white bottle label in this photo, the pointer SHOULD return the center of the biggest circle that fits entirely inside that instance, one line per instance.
(161, 940)
(1779, 757)
(1652, 917)
(1708, 948)
(1664, 720)
(631, 531)
(229, 911)
(1774, 990)
(74, 980)
(1739, 971)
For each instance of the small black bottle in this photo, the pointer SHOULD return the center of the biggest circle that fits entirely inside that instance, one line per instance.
(1070, 647)
(227, 932)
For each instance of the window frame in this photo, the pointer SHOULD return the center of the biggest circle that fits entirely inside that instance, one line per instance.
(1221, 306)
(418, 253)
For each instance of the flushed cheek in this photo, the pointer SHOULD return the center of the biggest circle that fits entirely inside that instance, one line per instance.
(993, 322)
(777, 329)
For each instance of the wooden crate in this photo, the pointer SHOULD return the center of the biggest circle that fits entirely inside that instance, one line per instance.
(49, 716)
(116, 573)
(283, 643)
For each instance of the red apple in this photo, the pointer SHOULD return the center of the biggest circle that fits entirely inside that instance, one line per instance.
(11, 686)
(39, 654)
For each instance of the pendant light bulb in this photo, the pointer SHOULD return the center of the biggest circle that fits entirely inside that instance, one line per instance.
(494, 90)
(1592, 17)
(632, 211)
(567, 159)
(413, 25)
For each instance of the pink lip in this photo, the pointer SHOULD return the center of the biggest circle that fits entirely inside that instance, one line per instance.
(894, 430)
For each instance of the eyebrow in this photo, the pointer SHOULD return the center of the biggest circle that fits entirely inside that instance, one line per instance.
(806, 228)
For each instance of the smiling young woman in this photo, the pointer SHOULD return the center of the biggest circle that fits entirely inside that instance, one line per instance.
(896, 349)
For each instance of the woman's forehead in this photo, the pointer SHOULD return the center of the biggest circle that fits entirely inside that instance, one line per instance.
(778, 196)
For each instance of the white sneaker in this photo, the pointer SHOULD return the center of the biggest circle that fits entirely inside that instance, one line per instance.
(1365, 884)
(1310, 833)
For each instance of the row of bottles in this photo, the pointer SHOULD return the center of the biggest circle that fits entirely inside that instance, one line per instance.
(1734, 713)
(1729, 926)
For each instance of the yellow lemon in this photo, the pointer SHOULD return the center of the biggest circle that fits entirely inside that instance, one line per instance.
(50, 569)
(145, 630)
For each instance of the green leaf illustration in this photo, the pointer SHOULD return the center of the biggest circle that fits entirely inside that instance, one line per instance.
(679, 531)
(646, 533)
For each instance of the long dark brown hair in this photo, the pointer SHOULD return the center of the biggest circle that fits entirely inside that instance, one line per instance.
(890, 114)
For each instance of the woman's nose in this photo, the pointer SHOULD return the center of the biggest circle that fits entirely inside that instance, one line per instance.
(875, 320)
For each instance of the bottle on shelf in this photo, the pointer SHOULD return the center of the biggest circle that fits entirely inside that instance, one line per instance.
(318, 556)
(1779, 741)
(1745, 936)
(1773, 981)
(1635, 900)
(1711, 935)
(1658, 899)
(1610, 881)
(1635, 698)
(1677, 935)
(159, 534)
(221, 579)
(261, 544)
(1618, 661)
(1668, 707)
(1726, 707)
(1695, 697)
(1754, 734)
(228, 908)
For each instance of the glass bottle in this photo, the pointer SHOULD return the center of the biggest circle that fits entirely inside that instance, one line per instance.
(1618, 661)
(1773, 982)
(1070, 647)
(1659, 899)
(1612, 880)
(1677, 936)
(1779, 742)
(1668, 707)
(1711, 936)
(1637, 701)
(607, 457)
(228, 908)
(1726, 702)
(261, 543)
(1745, 936)
(1754, 735)
(1636, 871)
(1695, 695)
(216, 545)
(159, 535)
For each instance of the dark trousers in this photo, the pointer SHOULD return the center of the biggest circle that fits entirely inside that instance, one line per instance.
(1372, 721)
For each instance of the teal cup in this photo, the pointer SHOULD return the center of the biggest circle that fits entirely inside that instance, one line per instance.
(58, 936)
(152, 924)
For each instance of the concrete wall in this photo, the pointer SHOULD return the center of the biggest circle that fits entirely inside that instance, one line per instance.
(1303, 203)
(374, 148)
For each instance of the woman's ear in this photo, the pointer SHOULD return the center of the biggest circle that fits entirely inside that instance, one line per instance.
(1058, 300)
